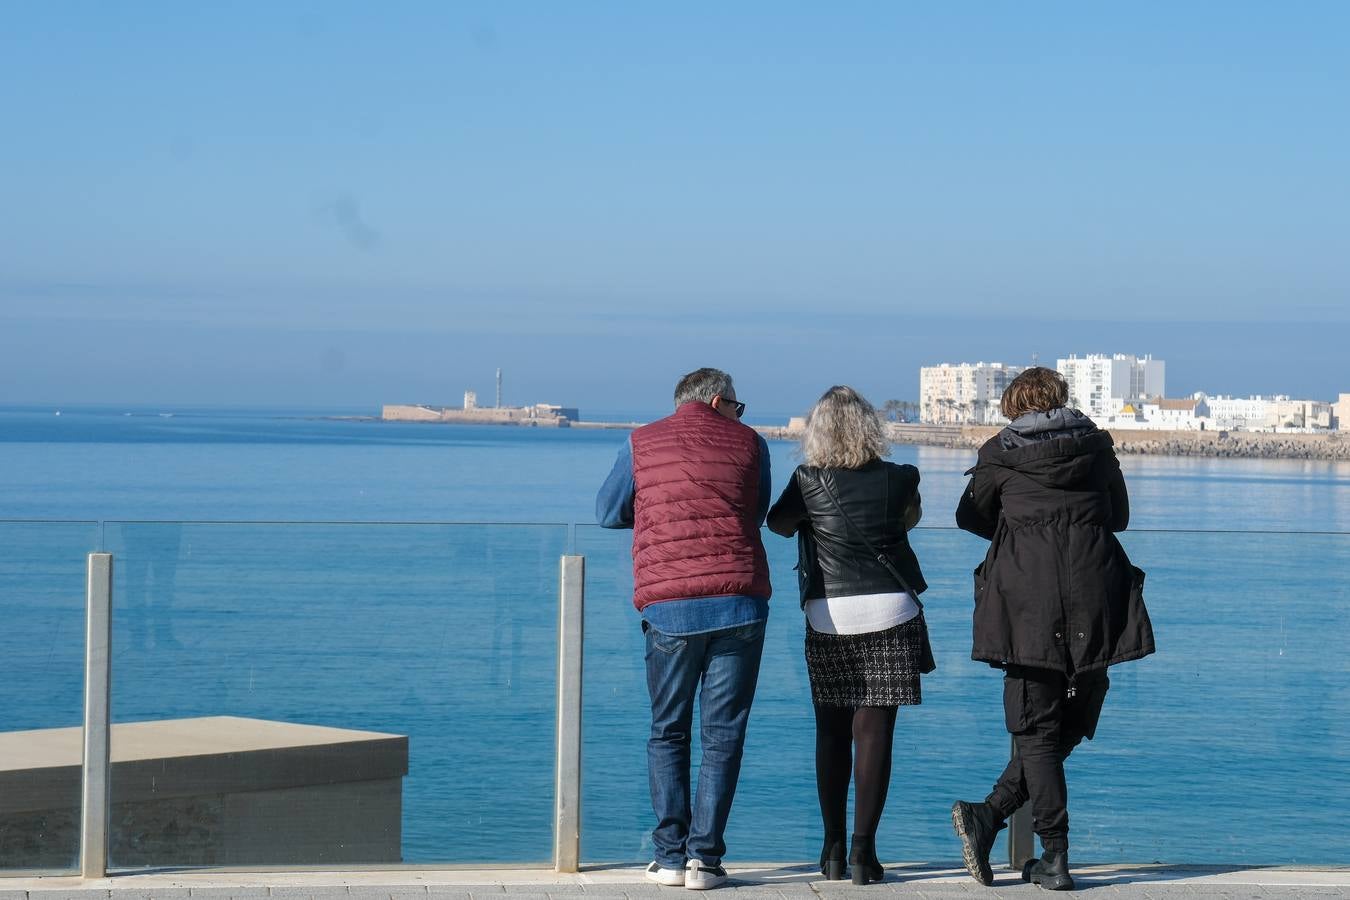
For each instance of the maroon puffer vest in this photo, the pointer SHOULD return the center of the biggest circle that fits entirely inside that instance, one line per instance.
(694, 528)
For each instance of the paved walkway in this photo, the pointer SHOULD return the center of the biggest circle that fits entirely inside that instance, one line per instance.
(749, 882)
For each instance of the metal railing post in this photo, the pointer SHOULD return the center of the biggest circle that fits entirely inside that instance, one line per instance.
(567, 784)
(1021, 840)
(95, 771)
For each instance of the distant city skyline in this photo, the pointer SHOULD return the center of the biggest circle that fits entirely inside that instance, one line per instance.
(312, 205)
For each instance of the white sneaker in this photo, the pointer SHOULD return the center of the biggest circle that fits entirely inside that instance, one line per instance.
(668, 877)
(700, 877)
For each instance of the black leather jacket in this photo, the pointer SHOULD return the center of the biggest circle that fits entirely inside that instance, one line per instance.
(881, 499)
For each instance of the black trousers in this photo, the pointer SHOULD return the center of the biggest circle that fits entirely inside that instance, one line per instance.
(1046, 724)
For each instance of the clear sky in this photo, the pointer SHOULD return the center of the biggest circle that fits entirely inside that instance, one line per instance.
(345, 204)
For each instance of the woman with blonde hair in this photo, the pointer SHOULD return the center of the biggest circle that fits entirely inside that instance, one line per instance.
(866, 641)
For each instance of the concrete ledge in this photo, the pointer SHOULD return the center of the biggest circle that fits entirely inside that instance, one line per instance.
(219, 790)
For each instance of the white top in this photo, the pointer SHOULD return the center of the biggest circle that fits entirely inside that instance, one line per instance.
(861, 613)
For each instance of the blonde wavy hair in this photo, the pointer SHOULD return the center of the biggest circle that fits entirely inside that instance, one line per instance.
(843, 431)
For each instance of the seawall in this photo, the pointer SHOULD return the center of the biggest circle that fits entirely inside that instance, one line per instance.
(770, 432)
(1333, 445)
(1215, 444)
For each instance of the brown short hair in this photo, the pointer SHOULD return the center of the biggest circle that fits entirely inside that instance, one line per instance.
(1036, 390)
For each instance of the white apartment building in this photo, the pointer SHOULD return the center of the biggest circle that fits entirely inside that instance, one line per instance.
(964, 393)
(1101, 385)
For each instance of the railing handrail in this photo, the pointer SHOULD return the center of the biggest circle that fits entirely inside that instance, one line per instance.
(407, 523)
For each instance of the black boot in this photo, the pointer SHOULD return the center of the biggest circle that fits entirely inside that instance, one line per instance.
(1051, 871)
(863, 858)
(976, 825)
(832, 855)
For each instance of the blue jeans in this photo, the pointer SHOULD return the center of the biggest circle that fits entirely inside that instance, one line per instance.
(727, 664)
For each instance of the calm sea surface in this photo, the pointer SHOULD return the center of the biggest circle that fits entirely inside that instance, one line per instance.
(288, 596)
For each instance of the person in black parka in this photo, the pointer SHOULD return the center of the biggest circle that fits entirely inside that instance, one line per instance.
(1056, 602)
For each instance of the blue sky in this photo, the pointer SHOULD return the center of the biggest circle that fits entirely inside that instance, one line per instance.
(343, 204)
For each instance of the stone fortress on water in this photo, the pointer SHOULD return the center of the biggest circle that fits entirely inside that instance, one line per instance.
(540, 415)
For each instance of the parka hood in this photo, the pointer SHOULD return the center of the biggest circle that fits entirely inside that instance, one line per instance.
(1056, 448)
(1044, 426)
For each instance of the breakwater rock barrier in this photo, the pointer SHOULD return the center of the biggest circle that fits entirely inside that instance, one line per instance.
(1217, 444)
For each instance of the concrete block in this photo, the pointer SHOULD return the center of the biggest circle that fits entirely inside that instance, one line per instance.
(210, 791)
(351, 822)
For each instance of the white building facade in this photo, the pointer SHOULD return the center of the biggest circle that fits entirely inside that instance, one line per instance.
(1160, 414)
(1101, 385)
(1301, 415)
(1340, 413)
(1276, 413)
(964, 393)
(1242, 413)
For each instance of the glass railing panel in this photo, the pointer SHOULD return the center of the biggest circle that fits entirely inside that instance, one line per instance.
(1231, 744)
(615, 811)
(42, 602)
(333, 694)
(775, 816)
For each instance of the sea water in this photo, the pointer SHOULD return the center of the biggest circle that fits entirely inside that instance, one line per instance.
(300, 567)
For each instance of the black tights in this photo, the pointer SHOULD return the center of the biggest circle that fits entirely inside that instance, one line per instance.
(839, 729)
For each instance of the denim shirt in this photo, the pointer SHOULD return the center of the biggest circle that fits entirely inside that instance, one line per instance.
(693, 615)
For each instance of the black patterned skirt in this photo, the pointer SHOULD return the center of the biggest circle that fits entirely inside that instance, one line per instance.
(880, 668)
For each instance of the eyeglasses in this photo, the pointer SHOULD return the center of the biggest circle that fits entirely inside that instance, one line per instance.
(738, 405)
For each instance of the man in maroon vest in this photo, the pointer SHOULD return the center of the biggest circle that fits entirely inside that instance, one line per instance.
(695, 487)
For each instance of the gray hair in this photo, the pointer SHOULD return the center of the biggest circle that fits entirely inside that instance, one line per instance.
(843, 431)
(702, 385)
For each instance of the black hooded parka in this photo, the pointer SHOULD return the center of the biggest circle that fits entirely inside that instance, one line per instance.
(1055, 590)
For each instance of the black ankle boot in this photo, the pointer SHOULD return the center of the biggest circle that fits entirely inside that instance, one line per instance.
(832, 856)
(976, 825)
(863, 858)
(1051, 871)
